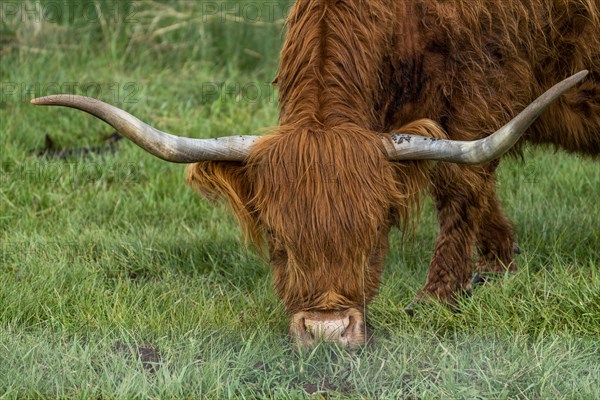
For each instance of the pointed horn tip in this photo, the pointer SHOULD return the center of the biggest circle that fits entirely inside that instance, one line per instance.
(44, 101)
(570, 81)
(53, 99)
(581, 74)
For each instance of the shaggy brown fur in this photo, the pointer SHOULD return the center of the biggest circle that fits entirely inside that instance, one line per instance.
(320, 191)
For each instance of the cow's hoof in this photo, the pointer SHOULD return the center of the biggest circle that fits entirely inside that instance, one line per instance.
(516, 248)
(411, 309)
(478, 280)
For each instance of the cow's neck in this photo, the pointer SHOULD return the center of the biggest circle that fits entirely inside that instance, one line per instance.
(330, 63)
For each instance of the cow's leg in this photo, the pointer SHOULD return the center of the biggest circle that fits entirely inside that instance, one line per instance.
(462, 196)
(495, 239)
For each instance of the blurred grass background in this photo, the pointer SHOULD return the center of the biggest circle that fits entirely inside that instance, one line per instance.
(119, 282)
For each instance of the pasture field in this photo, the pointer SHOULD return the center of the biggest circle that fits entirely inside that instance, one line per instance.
(118, 282)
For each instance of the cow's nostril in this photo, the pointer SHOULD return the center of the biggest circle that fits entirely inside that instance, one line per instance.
(350, 328)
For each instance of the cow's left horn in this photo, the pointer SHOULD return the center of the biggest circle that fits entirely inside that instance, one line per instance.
(415, 147)
(162, 145)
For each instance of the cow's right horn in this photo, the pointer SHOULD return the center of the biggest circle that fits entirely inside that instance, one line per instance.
(162, 145)
(415, 147)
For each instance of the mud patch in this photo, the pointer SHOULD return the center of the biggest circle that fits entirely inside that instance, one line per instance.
(148, 355)
(108, 145)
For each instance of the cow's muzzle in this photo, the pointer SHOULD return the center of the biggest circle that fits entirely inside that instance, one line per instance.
(344, 328)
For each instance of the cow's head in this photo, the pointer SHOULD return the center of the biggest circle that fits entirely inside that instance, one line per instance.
(323, 202)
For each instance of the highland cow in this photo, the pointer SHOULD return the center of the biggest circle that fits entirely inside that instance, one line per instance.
(369, 93)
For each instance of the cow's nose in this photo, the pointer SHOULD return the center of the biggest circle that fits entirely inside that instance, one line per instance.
(345, 328)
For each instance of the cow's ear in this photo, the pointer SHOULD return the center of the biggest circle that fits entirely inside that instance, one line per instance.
(227, 180)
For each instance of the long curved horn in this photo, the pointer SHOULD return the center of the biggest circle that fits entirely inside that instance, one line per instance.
(415, 147)
(162, 145)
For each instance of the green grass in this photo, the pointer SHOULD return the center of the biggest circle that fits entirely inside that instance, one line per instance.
(119, 282)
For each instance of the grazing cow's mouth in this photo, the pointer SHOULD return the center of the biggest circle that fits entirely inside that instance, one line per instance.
(346, 328)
